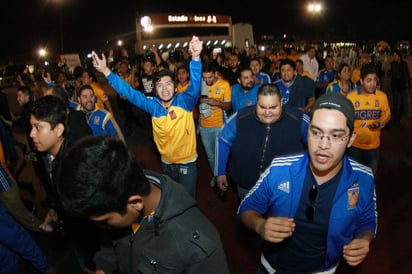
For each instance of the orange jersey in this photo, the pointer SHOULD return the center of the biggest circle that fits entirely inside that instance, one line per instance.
(370, 109)
(355, 77)
(100, 94)
(220, 91)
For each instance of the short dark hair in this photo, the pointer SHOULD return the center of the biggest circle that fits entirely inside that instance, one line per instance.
(150, 60)
(289, 62)
(242, 69)
(83, 88)
(60, 92)
(270, 89)
(209, 67)
(166, 72)
(97, 176)
(77, 72)
(91, 74)
(182, 67)
(26, 91)
(52, 110)
(368, 69)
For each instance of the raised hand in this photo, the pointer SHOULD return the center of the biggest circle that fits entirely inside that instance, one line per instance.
(100, 63)
(195, 47)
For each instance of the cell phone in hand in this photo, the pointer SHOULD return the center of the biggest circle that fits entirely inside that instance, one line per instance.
(57, 225)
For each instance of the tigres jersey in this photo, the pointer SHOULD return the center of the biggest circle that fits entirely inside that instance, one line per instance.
(369, 109)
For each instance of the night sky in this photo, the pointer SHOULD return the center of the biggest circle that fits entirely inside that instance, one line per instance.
(30, 24)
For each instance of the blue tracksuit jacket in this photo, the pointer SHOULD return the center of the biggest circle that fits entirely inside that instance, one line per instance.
(278, 191)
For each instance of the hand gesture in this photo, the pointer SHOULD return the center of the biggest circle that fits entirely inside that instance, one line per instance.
(276, 229)
(46, 76)
(100, 63)
(154, 50)
(195, 47)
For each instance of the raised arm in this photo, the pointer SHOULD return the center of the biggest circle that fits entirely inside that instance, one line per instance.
(122, 87)
(191, 95)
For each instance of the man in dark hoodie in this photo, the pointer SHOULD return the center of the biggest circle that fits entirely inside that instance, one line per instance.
(155, 224)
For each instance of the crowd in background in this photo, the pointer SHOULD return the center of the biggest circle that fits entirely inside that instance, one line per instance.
(300, 78)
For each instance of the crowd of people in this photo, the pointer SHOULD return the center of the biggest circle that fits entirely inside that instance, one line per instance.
(298, 137)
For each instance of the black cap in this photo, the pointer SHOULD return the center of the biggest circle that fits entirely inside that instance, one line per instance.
(336, 101)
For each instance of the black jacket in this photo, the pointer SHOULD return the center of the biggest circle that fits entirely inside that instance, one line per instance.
(179, 239)
(257, 143)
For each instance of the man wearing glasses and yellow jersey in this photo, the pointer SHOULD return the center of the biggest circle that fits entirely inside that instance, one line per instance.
(313, 208)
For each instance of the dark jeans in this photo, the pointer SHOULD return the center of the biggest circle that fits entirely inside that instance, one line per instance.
(185, 174)
(398, 105)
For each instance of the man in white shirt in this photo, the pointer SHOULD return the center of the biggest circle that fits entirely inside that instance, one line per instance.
(310, 63)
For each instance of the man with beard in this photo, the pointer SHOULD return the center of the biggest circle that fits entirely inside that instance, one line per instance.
(244, 93)
(231, 72)
(100, 121)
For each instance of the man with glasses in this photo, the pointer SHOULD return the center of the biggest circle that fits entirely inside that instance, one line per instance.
(312, 208)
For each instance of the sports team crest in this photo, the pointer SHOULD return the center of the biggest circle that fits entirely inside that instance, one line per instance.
(376, 103)
(353, 195)
(96, 120)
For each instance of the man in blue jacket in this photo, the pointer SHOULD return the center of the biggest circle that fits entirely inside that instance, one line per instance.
(312, 208)
(256, 134)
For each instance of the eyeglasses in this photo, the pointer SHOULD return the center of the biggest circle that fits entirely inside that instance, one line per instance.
(160, 85)
(313, 196)
(336, 138)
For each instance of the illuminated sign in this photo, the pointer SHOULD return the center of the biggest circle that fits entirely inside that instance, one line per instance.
(176, 18)
(184, 18)
(190, 18)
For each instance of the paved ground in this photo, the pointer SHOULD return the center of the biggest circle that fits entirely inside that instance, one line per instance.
(390, 252)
